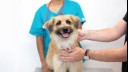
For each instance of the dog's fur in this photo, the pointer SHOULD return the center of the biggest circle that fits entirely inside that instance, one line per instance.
(64, 32)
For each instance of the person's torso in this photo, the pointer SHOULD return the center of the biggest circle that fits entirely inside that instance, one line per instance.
(47, 14)
(124, 64)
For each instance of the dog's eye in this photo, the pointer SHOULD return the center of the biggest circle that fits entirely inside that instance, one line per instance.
(58, 23)
(68, 22)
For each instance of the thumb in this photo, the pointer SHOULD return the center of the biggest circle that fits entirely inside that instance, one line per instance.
(80, 38)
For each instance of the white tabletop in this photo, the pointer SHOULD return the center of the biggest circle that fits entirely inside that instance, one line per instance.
(86, 70)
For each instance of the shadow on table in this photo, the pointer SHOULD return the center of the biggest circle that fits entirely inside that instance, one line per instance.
(86, 70)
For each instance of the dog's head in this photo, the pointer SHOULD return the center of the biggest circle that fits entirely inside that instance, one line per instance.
(63, 26)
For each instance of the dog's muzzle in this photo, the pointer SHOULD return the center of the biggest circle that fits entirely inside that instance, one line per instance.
(64, 32)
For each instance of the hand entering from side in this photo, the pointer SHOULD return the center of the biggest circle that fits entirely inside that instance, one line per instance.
(74, 55)
(45, 68)
(81, 35)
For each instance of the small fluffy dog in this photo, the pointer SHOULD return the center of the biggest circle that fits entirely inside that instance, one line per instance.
(64, 32)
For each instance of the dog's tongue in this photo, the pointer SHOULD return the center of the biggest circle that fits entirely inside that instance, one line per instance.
(65, 35)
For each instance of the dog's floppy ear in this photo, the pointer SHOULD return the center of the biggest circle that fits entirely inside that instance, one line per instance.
(76, 21)
(49, 25)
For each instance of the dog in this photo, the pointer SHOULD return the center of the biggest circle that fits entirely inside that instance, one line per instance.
(64, 33)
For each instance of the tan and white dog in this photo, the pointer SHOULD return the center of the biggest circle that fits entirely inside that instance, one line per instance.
(64, 32)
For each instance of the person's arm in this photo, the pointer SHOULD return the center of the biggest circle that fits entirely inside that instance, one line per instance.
(109, 55)
(104, 35)
(106, 55)
(40, 48)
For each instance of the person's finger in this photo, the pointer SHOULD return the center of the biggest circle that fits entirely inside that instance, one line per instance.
(80, 38)
(65, 49)
(79, 31)
(67, 55)
(71, 50)
(49, 71)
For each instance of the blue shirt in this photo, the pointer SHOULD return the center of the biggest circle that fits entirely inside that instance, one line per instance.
(70, 7)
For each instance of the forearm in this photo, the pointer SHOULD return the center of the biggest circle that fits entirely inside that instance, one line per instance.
(104, 35)
(40, 48)
(109, 55)
(107, 35)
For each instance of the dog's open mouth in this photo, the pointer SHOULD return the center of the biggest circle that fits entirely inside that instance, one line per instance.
(64, 32)
(65, 35)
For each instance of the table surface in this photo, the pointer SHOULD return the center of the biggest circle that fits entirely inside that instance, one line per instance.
(87, 70)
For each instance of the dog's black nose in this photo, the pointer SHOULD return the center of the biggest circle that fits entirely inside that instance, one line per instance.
(65, 30)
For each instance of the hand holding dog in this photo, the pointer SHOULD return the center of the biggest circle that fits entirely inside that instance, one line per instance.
(74, 55)
(46, 68)
(82, 35)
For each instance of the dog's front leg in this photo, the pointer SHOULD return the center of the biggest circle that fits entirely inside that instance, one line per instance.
(76, 67)
(49, 61)
(58, 65)
(49, 57)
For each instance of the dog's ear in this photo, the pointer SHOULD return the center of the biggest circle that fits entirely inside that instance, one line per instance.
(76, 21)
(49, 25)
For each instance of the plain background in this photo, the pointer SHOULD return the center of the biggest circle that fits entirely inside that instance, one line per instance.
(18, 52)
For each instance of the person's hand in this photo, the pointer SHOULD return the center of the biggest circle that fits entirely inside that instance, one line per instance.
(45, 67)
(82, 35)
(74, 55)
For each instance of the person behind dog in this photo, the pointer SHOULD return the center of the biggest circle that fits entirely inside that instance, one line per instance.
(105, 35)
(45, 13)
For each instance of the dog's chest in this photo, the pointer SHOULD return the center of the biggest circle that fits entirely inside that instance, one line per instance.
(65, 44)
